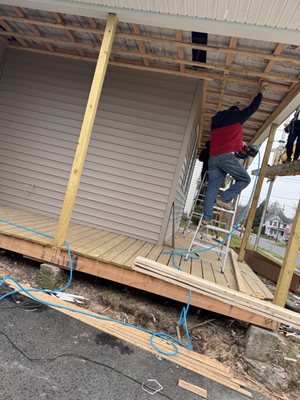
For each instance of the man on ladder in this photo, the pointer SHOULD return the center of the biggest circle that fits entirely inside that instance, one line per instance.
(226, 140)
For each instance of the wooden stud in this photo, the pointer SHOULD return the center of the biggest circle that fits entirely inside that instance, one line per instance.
(289, 262)
(229, 60)
(258, 188)
(237, 270)
(180, 50)
(288, 169)
(86, 131)
(193, 388)
(140, 45)
(226, 69)
(167, 42)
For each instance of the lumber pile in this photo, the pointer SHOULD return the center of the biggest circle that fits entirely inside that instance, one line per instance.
(226, 295)
(198, 363)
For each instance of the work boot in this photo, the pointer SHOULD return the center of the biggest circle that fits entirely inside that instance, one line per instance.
(288, 160)
(206, 222)
(226, 206)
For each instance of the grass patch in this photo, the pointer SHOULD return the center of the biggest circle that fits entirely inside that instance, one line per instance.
(236, 241)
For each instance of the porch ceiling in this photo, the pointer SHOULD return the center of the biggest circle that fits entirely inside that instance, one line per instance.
(233, 69)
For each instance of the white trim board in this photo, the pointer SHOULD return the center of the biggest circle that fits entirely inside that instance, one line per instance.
(217, 27)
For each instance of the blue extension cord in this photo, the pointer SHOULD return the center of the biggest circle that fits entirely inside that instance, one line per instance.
(181, 252)
(164, 336)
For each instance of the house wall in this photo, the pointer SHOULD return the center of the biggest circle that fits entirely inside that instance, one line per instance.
(185, 167)
(136, 144)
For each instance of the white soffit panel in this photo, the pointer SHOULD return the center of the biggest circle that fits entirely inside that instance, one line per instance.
(253, 19)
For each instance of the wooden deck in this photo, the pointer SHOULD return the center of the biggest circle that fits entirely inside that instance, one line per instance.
(111, 256)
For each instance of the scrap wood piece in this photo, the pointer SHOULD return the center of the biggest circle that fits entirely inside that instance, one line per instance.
(241, 300)
(198, 363)
(237, 270)
(193, 388)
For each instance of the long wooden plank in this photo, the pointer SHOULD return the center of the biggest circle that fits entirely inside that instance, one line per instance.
(257, 191)
(193, 388)
(227, 295)
(118, 249)
(188, 359)
(144, 251)
(86, 242)
(86, 131)
(155, 253)
(104, 244)
(289, 262)
(128, 253)
(237, 271)
(94, 244)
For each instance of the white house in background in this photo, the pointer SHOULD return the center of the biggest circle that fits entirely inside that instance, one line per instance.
(275, 226)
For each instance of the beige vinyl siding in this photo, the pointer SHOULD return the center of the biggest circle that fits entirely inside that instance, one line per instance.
(186, 172)
(134, 150)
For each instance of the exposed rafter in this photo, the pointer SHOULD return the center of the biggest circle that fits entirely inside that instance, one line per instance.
(227, 81)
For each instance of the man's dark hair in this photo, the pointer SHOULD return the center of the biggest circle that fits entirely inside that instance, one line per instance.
(234, 108)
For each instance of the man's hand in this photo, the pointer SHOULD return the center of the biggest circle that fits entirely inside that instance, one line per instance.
(263, 87)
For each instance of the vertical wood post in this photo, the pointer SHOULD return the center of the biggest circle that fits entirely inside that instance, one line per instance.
(86, 131)
(258, 188)
(289, 262)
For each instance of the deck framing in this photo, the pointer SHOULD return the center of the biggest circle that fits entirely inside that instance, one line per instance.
(46, 253)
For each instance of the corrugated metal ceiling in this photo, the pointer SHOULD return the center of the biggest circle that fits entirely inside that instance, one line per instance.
(272, 13)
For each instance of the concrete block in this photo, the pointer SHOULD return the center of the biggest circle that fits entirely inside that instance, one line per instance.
(51, 277)
(263, 345)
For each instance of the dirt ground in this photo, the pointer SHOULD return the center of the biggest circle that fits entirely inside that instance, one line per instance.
(216, 336)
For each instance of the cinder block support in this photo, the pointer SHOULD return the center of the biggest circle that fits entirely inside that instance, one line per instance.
(51, 277)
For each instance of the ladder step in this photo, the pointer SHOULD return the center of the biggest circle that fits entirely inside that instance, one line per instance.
(215, 228)
(223, 209)
(205, 246)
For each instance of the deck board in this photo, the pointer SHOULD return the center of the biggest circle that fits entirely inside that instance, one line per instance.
(121, 250)
(131, 250)
(144, 251)
(111, 256)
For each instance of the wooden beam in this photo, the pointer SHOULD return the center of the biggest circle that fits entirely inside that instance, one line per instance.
(8, 29)
(174, 60)
(86, 131)
(289, 263)
(180, 50)
(141, 46)
(167, 42)
(193, 388)
(229, 60)
(277, 51)
(257, 192)
(240, 96)
(69, 34)
(33, 28)
(287, 169)
(237, 270)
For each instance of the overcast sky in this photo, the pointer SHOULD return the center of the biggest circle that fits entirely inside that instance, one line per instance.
(286, 189)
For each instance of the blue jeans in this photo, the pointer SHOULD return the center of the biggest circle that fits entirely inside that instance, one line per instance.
(219, 166)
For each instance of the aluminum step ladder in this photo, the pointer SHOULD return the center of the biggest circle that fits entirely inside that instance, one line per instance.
(203, 237)
(198, 200)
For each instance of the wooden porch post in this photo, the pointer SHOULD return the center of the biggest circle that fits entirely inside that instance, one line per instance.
(258, 188)
(289, 262)
(86, 130)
